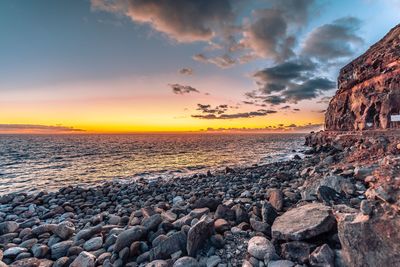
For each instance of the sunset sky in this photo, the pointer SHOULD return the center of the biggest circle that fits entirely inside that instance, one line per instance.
(178, 65)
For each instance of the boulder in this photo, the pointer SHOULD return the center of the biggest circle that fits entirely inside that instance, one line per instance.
(65, 229)
(127, 237)
(60, 249)
(198, 235)
(186, 262)
(303, 222)
(157, 263)
(268, 213)
(175, 242)
(206, 202)
(370, 241)
(261, 248)
(296, 251)
(8, 227)
(84, 259)
(322, 256)
(151, 223)
(93, 244)
(276, 199)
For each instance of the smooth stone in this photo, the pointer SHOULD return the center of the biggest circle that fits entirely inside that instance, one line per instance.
(60, 249)
(261, 248)
(127, 237)
(157, 263)
(303, 222)
(151, 223)
(13, 252)
(8, 227)
(221, 225)
(186, 262)
(281, 263)
(40, 251)
(84, 259)
(213, 261)
(93, 244)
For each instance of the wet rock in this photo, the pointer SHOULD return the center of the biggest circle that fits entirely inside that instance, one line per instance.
(186, 262)
(303, 222)
(296, 251)
(261, 248)
(127, 237)
(65, 230)
(85, 259)
(13, 252)
(198, 234)
(322, 256)
(8, 227)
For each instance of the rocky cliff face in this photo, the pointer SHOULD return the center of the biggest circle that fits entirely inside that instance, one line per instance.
(369, 89)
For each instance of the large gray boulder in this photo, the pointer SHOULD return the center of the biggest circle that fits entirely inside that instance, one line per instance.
(198, 235)
(303, 222)
(261, 248)
(370, 241)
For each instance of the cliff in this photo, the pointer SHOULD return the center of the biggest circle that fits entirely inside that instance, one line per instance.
(368, 89)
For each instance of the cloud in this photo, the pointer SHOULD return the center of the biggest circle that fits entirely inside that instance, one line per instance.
(290, 82)
(332, 41)
(279, 77)
(186, 71)
(181, 20)
(258, 113)
(36, 128)
(183, 89)
(292, 128)
(224, 61)
(267, 35)
(220, 109)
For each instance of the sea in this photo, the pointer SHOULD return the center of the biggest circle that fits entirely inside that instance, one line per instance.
(31, 163)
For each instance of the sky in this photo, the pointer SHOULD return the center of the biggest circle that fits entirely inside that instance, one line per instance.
(178, 65)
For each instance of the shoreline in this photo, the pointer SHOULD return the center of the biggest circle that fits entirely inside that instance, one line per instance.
(282, 213)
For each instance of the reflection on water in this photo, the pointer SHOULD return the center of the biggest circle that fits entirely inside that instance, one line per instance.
(53, 161)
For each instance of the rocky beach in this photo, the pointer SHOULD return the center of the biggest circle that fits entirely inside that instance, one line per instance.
(336, 206)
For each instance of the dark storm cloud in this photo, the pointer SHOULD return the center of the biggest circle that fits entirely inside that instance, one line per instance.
(181, 20)
(335, 40)
(279, 77)
(186, 71)
(308, 90)
(258, 113)
(290, 82)
(183, 89)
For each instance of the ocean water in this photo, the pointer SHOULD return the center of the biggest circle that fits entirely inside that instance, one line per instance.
(47, 162)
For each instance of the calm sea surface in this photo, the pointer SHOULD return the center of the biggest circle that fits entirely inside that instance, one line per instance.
(47, 162)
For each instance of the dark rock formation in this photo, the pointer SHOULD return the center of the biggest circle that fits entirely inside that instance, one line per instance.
(369, 89)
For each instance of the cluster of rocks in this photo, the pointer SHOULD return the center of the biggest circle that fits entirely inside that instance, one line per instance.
(316, 211)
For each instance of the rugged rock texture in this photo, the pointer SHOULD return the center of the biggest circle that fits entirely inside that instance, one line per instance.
(370, 241)
(369, 89)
